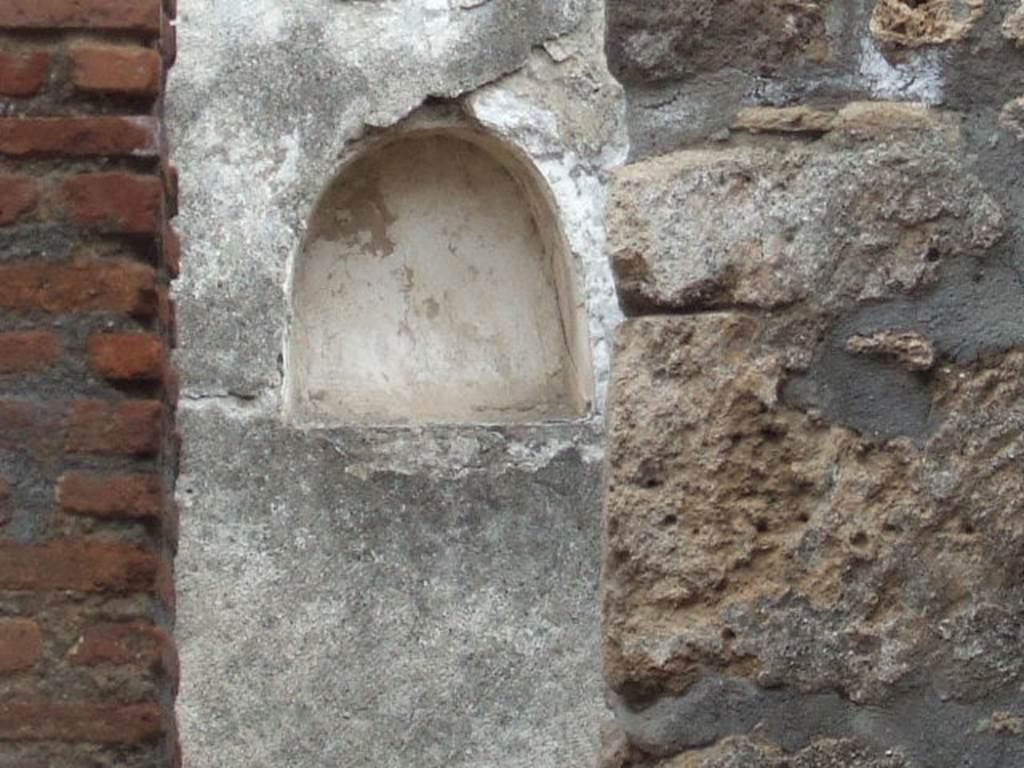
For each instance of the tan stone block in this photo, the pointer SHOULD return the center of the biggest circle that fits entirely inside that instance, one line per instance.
(748, 539)
(933, 22)
(1013, 26)
(865, 213)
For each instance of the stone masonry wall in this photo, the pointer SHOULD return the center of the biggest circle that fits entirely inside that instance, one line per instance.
(88, 452)
(815, 503)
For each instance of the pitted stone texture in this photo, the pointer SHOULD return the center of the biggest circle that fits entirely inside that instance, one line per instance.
(746, 538)
(866, 213)
(1011, 117)
(784, 120)
(914, 723)
(859, 120)
(909, 348)
(1003, 722)
(1013, 26)
(933, 22)
(665, 39)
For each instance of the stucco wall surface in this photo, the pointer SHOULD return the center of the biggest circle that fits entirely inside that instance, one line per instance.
(363, 596)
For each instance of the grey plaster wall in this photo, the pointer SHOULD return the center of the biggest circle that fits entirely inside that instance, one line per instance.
(365, 596)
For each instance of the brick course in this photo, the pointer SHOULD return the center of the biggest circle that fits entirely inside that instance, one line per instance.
(88, 722)
(22, 74)
(82, 286)
(116, 202)
(128, 356)
(145, 646)
(87, 396)
(80, 567)
(77, 136)
(115, 15)
(111, 495)
(21, 645)
(19, 195)
(132, 427)
(27, 351)
(131, 71)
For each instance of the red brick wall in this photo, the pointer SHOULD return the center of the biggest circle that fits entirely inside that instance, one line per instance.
(88, 451)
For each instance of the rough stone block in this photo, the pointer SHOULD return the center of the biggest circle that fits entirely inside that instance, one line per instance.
(1013, 26)
(748, 540)
(865, 213)
(933, 22)
(665, 40)
(1011, 117)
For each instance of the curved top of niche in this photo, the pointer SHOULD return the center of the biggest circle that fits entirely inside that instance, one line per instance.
(435, 286)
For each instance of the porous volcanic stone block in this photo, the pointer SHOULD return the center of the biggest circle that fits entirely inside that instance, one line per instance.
(1013, 25)
(668, 39)
(866, 212)
(760, 556)
(932, 22)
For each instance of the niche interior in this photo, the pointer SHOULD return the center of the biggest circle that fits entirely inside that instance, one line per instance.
(435, 286)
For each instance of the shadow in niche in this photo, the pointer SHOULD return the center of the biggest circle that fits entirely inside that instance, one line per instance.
(434, 286)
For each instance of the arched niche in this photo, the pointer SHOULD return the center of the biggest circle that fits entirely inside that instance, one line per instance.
(434, 286)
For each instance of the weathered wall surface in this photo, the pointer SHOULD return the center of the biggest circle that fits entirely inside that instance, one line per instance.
(88, 448)
(361, 596)
(812, 534)
(813, 523)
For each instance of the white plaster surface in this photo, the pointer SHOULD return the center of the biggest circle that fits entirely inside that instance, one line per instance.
(364, 597)
(427, 292)
(920, 78)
